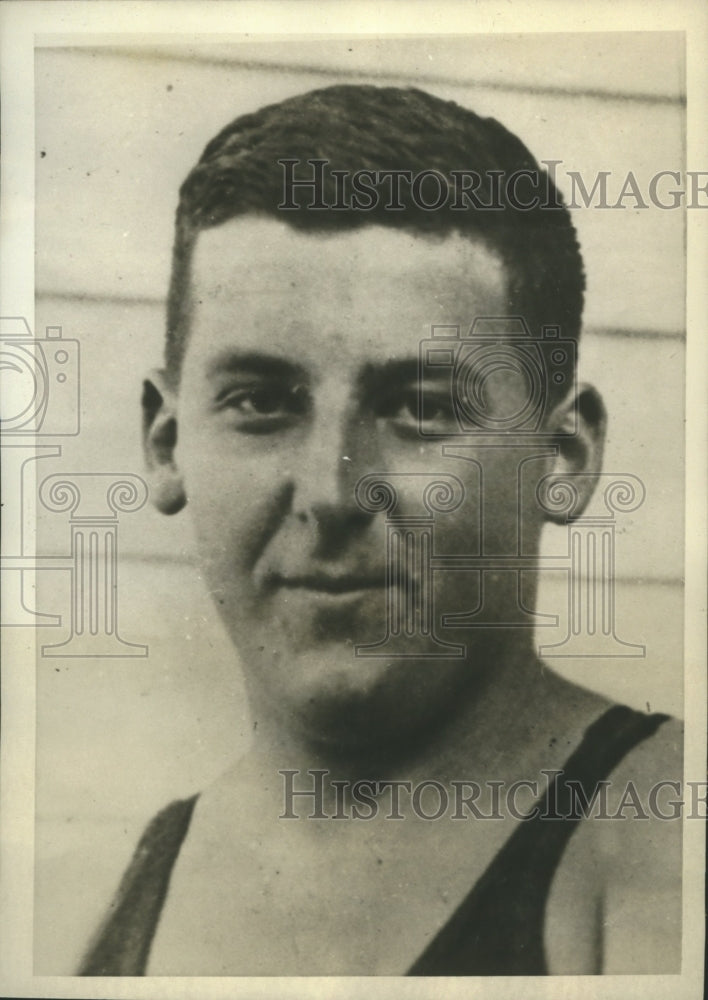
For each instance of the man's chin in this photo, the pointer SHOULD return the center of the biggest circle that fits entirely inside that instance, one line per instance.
(337, 699)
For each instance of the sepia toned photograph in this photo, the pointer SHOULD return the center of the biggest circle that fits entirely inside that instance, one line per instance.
(349, 419)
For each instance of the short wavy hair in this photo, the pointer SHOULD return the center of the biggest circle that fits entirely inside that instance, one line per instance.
(358, 127)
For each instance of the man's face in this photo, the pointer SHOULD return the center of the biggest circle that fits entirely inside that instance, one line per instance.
(300, 377)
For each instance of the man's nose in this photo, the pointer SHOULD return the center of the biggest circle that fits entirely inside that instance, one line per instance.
(339, 449)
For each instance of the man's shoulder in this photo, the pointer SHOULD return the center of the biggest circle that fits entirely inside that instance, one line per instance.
(643, 806)
(652, 741)
(625, 859)
(638, 842)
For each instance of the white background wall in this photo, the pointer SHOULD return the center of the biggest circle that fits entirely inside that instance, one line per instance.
(117, 129)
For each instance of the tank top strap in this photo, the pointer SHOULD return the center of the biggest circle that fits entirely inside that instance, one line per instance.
(122, 943)
(498, 928)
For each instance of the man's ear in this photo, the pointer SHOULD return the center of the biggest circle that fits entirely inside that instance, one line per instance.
(159, 439)
(580, 422)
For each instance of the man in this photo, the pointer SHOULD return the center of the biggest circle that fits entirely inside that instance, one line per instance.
(365, 285)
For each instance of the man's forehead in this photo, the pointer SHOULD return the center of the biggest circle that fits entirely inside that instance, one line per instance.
(255, 252)
(352, 296)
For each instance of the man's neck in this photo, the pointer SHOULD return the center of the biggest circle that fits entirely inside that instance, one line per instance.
(486, 729)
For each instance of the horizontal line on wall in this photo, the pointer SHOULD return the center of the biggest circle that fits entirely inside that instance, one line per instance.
(146, 300)
(312, 69)
(628, 332)
(158, 559)
(103, 298)
(170, 559)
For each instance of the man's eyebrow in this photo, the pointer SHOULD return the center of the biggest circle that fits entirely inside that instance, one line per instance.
(253, 363)
(397, 370)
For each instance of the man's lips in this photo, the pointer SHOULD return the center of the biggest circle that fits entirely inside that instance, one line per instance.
(330, 583)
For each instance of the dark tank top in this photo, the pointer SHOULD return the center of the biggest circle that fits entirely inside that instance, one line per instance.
(496, 931)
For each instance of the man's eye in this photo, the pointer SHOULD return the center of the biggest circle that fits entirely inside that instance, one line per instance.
(258, 401)
(436, 409)
(264, 408)
(414, 409)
